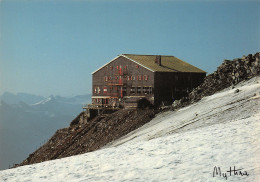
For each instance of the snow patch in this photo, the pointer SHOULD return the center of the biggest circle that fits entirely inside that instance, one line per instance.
(43, 101)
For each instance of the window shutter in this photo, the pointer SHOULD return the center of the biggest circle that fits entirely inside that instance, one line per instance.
(105, 89)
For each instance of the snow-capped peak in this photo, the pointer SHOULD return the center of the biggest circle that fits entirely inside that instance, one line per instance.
(44, 101)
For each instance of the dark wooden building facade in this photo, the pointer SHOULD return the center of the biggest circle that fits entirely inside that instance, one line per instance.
(130, 79)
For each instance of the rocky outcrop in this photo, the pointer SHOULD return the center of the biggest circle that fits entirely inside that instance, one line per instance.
(229, 73)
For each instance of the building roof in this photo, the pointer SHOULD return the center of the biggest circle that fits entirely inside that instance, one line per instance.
(168, 63)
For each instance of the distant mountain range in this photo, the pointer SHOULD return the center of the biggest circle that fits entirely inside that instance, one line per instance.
(11, 98)
(27, 120)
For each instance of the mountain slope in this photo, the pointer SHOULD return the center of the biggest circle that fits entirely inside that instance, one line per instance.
(221, 130)
(229, 105)
(83, 136)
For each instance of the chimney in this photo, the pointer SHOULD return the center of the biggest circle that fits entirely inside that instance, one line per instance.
(158, 60)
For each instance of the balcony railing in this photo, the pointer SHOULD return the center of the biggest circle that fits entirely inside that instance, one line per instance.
(99, 106)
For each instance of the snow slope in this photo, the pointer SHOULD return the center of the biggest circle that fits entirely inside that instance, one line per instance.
(222, 107)
(221, 130)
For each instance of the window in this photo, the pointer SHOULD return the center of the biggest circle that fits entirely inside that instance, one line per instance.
(105, 78)
(150, 90)
(120, 70)
(126, 67)
(146, 90)
(111, 67)
(120, 80)
(139, 90)
(137, 66)
(145, 77)
(139, 77)
(132, 91)
(97, 90)
(105, 90)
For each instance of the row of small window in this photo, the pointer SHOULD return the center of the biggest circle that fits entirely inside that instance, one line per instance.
(138, 77)
(97, 90)
(145, 90)
(139, 90)
(101, 101)
(104, 101)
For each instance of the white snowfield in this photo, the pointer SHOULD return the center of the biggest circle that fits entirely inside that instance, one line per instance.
(222, 131)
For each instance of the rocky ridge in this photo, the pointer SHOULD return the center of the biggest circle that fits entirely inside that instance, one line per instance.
(229, 73)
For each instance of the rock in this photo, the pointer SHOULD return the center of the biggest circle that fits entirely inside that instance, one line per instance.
(227, 74)
(253, 70)
(176, 103)
(236, 91)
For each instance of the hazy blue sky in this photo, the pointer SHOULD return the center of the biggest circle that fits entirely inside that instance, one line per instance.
(52, 47)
